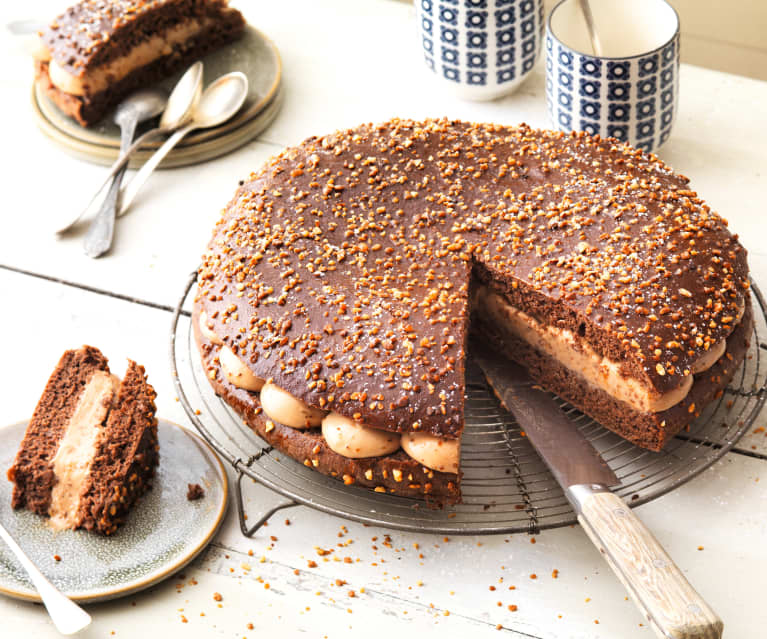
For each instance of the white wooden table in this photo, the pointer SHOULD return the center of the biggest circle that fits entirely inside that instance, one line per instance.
(346, 63)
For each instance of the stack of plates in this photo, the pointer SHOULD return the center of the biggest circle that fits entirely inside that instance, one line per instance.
(254, 54)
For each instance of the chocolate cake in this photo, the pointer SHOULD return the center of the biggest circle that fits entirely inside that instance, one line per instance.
(97, 52)
(338, 288)
(90, 449)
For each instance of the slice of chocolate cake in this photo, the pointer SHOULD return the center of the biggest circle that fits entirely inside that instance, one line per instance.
(90, 449)
(97, 52)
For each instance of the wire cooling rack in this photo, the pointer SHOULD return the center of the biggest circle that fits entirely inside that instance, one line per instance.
(506, 487)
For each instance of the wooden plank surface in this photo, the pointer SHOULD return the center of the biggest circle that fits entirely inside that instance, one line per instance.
(720, 511)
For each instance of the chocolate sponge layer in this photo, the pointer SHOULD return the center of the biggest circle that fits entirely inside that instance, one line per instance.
(32, 471)
(648, 430)
(124, 466)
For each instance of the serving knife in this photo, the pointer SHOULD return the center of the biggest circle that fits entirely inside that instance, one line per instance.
(660, 590)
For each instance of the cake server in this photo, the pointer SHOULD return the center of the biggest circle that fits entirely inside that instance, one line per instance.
(665, 597)
(66, 615)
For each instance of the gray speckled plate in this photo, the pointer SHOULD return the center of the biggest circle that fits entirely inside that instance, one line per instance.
(163, 533)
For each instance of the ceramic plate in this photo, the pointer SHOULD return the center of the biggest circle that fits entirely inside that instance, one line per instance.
(254, 54)
(163, 533)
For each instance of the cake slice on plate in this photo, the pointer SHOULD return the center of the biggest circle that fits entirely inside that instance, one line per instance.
(97, 52)
(90, 450)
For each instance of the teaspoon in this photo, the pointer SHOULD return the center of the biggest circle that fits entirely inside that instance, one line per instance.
(220, 101)
(66, 615)
(178, 111)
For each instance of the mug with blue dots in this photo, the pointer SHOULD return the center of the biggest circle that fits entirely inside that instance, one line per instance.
(630, 92)
(482, 49)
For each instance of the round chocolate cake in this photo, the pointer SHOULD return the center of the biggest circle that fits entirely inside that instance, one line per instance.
(337, 292)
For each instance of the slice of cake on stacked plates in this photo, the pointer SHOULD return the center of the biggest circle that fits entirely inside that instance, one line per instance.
(97, 52)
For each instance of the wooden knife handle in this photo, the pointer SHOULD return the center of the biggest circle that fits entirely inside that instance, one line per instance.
(672, 606)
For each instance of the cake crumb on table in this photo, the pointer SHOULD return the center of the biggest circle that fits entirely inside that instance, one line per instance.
(194, 492)
(217, 596)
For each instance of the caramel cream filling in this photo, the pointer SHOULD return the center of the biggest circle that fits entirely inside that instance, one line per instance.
(354, 440)
(286, 409)
(236, 372)
(709, 357)
(99, 78)
(37, 48)
(77, 448)
(437, 453)
(207, 331)
(578, 356)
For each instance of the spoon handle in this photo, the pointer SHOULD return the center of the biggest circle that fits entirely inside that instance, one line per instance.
(98, 240)
(129, 191)
(588, 16)
(66, 615)
(119, 163)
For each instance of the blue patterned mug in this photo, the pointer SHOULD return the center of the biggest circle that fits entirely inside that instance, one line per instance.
(630, 92)
(483, 49)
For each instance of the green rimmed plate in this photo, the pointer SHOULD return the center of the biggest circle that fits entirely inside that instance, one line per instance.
(163, 533)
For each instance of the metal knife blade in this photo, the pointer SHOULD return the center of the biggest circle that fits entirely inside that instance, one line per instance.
(568, 454)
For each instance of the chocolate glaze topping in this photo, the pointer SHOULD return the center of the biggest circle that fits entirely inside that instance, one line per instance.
(341, 270)
(93, 32)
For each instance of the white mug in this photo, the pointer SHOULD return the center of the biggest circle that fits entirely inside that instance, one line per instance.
(631, 91)
(481, 49)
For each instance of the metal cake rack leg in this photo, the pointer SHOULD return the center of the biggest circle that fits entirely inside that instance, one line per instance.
(249, 531)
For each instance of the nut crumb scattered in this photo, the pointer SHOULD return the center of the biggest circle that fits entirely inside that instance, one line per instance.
(194, 492)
